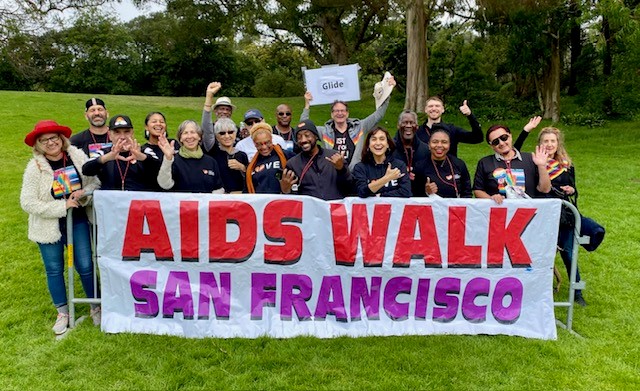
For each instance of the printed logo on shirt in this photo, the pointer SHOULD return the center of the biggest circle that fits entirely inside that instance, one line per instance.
(65, 181)
(208, 172)
(341, 146)
(513, 177)
(95, 150)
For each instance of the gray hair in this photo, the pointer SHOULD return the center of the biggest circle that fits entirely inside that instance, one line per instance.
(224, 125)
(184, 125)
(411, 113)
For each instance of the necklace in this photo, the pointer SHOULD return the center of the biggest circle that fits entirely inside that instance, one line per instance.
(123, 176)
(453, 174)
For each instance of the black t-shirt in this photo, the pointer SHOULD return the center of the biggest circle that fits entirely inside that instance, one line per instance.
(493, 175)
(345, 145)
(195, 175)
(233, 180)
(264, 174)
(90, 143)
(450, 175)
(66, 180)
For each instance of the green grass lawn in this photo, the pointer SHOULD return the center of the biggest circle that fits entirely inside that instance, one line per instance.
(608, 357)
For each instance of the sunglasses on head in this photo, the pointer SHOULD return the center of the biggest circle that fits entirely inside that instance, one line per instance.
(227, 132)
(497, 140)
(284, 114)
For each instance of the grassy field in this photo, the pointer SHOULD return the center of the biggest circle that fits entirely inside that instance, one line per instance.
(607, 358)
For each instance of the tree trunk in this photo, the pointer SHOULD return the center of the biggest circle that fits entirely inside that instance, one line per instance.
(607, 63)
(332, 28)
(417, 56)
(576, 46)
(551, 83)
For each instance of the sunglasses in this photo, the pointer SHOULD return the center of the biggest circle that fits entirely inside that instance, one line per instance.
(284, 114)
(227, 132)
(497, 140)
(262, 144)
(251, 122)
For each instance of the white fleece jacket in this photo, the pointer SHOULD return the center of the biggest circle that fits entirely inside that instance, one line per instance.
(36, 199)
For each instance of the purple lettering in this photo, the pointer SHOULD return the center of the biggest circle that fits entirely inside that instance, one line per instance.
(290, 300)
(263, 293)
(177, 295)
(370, 299)
(511, 287)
(218, 294)
(445, 295)
(476, 287)
(331, 300)
(142, 284)
(395, 287)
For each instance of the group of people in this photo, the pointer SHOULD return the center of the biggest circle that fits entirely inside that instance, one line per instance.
(343, 157)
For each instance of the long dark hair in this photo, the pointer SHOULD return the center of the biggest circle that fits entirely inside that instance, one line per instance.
(146, 121)
(367, 156)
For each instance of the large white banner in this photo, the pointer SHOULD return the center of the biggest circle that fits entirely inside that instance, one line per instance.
(331, 83)
(200, 265)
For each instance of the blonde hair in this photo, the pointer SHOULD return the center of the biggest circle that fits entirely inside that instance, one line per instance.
(37, 148)
(561, 154)
(260, 127)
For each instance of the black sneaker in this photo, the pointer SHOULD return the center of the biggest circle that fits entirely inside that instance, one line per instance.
(579, 300)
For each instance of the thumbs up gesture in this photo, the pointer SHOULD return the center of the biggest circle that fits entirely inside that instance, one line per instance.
(464, 109)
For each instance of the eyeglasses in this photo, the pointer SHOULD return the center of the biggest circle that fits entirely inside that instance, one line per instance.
(497, 140)
(227, 132)
(251, 122)
(263, 144)
(339, 111)
(45, 141)
(283, 114)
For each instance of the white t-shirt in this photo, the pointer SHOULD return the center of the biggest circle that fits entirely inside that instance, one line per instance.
(247, 146)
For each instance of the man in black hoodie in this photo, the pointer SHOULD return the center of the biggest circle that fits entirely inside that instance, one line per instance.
(315, 171)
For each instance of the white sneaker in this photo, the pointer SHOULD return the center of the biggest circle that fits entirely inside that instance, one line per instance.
(96, 315)
(61, 324)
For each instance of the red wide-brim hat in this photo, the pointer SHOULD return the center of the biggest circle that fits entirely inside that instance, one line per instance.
(44, 127)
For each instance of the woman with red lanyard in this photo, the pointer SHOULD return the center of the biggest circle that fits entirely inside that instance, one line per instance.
(507, 166)
(53, 183)
(441, 173)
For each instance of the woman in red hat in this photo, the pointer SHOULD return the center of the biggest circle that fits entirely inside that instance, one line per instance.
(52, 184)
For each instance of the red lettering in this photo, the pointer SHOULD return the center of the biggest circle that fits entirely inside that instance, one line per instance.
(503, 236)
(459, 253)
(189, 233)
(373, 241)
(155, 241)
(407, 247)
(240, 214)
(276, 213)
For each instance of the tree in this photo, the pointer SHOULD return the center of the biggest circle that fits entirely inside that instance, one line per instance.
(536, 31)
(417, 90)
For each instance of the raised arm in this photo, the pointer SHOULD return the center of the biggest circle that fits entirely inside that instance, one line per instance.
(475, 136)
(522, 137)
(208, 137)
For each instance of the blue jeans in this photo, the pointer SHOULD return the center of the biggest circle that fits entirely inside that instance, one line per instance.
(565, 243)
(54, 261)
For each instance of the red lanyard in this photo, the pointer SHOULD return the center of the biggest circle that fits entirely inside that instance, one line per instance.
(453, 176)
(123, 176)
(96, 141)
(306, 168)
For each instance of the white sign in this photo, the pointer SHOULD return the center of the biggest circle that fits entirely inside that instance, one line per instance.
(201, 265)
(331, 83)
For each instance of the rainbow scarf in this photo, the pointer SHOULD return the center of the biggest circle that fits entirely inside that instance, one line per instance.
(555, 168)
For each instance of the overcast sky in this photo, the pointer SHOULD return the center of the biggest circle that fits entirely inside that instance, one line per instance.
(128, 11)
